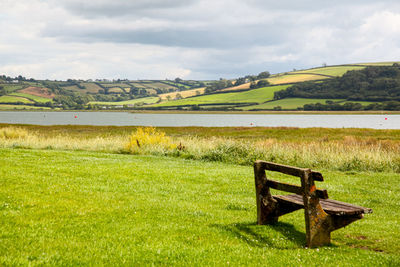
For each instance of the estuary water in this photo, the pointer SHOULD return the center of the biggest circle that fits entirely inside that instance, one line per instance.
(206, 120)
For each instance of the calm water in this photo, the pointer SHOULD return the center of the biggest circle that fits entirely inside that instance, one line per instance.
(207, 120)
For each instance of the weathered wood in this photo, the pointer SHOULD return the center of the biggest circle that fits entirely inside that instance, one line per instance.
(294, 171)
(330, 206)
(321, 193)
(322, 215)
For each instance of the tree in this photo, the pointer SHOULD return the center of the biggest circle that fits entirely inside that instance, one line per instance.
(263, 75)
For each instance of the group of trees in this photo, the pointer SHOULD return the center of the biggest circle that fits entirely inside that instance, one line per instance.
(224, 83)
(369, 84)
(351, 106)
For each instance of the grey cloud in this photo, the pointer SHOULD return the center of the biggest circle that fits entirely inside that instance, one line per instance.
(117, 8)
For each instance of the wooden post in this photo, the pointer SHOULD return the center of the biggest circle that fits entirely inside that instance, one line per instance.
(318, 223)
(266, 205)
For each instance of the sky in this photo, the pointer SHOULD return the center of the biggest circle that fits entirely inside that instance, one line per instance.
(191, 39)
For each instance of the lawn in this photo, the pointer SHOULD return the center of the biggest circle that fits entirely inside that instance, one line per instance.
(89, 208)
(253, 96)
(145, 100)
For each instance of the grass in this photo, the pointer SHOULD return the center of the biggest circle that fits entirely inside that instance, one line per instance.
(184, 94)
(253, 96)
(145, 100)
(87, 208)
(295, 78)
(294, 103)
(332, 70)
(14, 99)
(12, 107)
(35, 98)
(91, 87)
(332, 149)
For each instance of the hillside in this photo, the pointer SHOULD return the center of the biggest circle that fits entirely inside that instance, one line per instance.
(251, 92)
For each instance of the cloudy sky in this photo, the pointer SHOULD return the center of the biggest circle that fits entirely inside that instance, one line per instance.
(191, 39)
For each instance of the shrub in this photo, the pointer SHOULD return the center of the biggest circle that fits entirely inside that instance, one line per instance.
(148, 139)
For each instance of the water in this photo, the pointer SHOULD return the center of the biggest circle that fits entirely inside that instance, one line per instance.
(206, 120)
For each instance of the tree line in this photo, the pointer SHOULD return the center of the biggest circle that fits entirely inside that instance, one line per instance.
(374, 83)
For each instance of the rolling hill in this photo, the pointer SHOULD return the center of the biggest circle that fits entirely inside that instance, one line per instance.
(189, 94)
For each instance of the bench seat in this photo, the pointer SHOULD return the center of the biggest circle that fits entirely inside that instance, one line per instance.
(332, 207)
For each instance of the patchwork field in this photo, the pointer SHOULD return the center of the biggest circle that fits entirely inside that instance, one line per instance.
(14, 99)
(35, 98)
(253, 96)
(184, 94)
(38, 91)
(146, 100)
(295, 78)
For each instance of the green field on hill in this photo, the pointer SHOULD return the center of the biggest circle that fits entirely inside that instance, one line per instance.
(14, 99)
(253, 96)
(146, 100)
(90, 208)
(331, 71)
(33, 97)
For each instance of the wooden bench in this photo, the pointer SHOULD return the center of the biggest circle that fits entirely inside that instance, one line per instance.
(322, 215)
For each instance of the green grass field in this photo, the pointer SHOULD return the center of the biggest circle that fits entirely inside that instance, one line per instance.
(14, 99)
(12, 107)
(147, 100)
(88, 208)
(294, 103)
(256, 95)
(288, 103)
(331, 71)
(295, 78)
(33, 97)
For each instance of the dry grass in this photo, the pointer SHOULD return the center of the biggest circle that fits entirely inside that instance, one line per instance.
(344, 153)
(184, 94)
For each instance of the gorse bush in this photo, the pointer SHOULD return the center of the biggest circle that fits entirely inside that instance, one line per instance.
(148, 139)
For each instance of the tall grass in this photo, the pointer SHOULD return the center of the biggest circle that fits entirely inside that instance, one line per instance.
(347, 153)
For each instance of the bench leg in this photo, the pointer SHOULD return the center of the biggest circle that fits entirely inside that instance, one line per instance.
(318, 225)
(268, 209)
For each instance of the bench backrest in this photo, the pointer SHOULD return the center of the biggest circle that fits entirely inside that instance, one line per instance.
(307, 177)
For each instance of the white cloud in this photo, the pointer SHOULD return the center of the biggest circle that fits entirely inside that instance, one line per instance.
(198, 39)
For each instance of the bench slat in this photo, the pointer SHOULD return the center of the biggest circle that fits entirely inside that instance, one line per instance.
(321, 193)
(332, 207)
(294, 171)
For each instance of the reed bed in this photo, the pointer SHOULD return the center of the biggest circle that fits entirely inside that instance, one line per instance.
(348, 153)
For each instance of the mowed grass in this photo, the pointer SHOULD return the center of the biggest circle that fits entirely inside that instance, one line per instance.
(14, 99)
(86, 208)
(145, 100)
(253, 96)
(35, 98)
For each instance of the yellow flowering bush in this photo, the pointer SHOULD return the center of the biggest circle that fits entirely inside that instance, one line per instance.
(148, 139)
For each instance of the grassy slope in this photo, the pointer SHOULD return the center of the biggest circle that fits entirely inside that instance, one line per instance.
(331, 71)
(33, 97)
(287, 103)
(14, 99)
(147, 100)
(73, 208)
(12, 107)
(257, 95)
(295, 78)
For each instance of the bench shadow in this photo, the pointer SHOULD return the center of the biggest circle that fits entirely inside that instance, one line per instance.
(257, 235)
